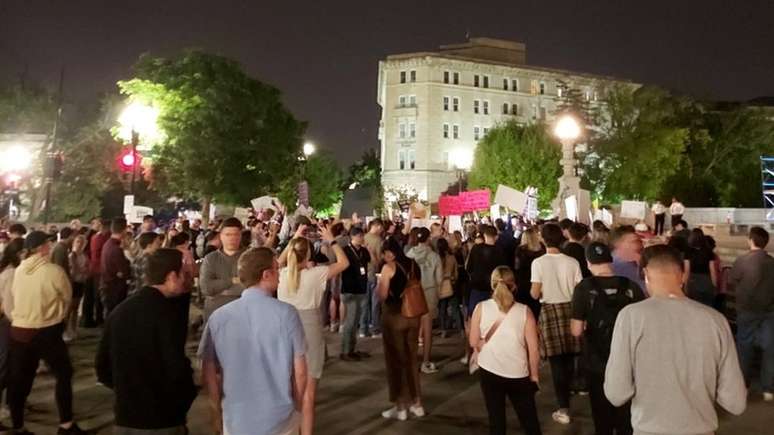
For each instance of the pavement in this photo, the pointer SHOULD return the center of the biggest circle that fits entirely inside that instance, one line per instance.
(352, 395)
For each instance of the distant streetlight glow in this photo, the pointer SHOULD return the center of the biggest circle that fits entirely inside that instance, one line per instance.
(142, 119)
(462, 158)
(309, 149)
(567, 129)
(16, 158)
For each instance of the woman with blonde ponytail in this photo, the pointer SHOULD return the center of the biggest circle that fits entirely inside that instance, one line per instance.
(504, 333)
(302, 284)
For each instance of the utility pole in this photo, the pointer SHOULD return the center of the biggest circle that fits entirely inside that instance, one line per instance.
(50, 153)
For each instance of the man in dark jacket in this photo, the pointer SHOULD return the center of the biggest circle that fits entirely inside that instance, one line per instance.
(114, 267)
(142, 353)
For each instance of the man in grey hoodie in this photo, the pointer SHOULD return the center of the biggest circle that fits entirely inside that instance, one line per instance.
(432, 275)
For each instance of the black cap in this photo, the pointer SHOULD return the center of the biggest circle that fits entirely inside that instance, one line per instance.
(36, 239)
(598, 253)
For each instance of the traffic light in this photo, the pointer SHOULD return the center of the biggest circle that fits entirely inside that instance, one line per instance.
(127, 160)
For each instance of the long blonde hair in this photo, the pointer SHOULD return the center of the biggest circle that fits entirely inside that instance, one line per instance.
(531, 240)
(298, 253)
(501, 293)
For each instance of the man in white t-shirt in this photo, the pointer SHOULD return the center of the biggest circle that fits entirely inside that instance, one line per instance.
(659, 211)
(554, 277)
(676, 210)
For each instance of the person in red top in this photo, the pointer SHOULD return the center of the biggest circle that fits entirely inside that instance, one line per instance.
(92, 305)
(114, 268)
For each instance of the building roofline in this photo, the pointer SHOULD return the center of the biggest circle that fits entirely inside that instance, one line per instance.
(419, 54)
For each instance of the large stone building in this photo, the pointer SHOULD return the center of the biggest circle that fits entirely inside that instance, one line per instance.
(437, 105)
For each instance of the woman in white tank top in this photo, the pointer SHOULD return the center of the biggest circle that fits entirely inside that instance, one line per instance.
(508, 356)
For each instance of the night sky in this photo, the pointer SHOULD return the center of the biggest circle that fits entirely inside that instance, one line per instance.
(323, 54)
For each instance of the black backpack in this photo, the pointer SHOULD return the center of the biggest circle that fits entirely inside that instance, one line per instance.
(601, 320)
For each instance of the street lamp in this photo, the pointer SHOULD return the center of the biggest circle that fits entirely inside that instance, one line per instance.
(14, 159)
(309, 149)
(138, 121)
(567, 130)
(303, 187)
(462, 159)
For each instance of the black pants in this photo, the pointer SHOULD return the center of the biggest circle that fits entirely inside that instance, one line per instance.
(675, 219)
(562, 367)
(45, 344)
(112, 296)
(660, 218)
(608, 419)
(521, 393)
(92, 304)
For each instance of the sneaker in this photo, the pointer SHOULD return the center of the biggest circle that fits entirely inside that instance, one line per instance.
(560, 416)
(768, 397)
(361, 335)
(334, 327)
(394, 412)
(464, 360)
(429, 368)
(417, 411)
(72, 430)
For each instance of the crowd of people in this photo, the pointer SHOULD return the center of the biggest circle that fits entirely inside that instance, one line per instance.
(641, 330)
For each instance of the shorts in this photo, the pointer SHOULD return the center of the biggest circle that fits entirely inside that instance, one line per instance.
(431, 297)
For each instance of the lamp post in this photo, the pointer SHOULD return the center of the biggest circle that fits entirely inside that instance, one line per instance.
(303, 187)
(567, 130)
(138, 120)
(462, 159)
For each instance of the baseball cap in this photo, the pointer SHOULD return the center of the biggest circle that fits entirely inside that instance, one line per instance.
(598, 253)
(36, 239)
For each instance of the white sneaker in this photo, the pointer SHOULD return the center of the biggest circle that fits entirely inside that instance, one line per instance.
(429, 368)
(417, 411)
(464, 360)
(334, 327)
(560, 416)
(394, 412)
(768, 397)
(360, 335)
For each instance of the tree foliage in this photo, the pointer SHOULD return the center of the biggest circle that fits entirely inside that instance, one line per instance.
(228, 137)
(324, 178)
(26, 108)
(518, 156)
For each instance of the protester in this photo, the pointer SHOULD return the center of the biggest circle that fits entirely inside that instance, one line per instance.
(93, 311)
(701, 270)
(432, 276)
(41, 295)
(218, 279)
(60, 253)
(482, 261)
(596, 302)
(17, 231)
(253, 354)
(505, 335)
(505, 239)
(753, 279)
(554, 276)
(659, 212)
(142, 359)
(673, 357)
(600, 232)
(574, 247)
(212, 243)
(449, 300)
(354, 291)
(529, 249)
(115, 268)
(370, 320)
(10, 261)
(79, 275)
(400, 334)
(303, 286)
(676, 210)
(148, 244)
(627, 248)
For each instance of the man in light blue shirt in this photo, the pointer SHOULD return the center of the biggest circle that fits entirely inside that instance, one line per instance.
(253, 355)
(627, 248)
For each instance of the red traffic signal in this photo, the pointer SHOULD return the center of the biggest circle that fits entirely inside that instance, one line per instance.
(128, 159)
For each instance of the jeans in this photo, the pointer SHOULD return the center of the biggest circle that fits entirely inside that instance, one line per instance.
(608, 419)
(521, 393)
(92, 304)
(45, 344)
(353, 304)
(756, 330)
(370, 317)
(561, 371)
(444, 318)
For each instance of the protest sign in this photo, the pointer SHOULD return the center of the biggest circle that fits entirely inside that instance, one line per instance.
(633, 209)
(511, 198)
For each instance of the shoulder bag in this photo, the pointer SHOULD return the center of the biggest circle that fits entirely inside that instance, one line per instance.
(473, 363)
(413, 302)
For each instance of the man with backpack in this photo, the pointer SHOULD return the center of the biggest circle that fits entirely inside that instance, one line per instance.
(596, 302)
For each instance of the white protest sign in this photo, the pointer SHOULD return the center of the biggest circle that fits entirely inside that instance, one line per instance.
(571, 207)
(455, 223)
(128, 203)
(137, 213)
(633, 209)
(264, 202)
(242, 214)
(511, 198)
(494, 211)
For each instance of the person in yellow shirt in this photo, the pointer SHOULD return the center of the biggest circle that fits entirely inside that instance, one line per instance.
(42, 295)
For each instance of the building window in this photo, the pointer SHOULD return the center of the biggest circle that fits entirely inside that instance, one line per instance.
(514, 109)
(543, 113)
(505, 84)
(559, 90)
(413, 76)
(402, 101)
(456, 104)
(411, 159)
(505, 108)
(587, 94)
(446, 77)
(412, 130)
(476, 132)
(533, 87)
(412, 100)
(486, 131)
(486, 107)
(515, 85)
(476, 106)
(402, 130)
(403, 76)
(542, 88)
(446, 131)
(476, 79)
(445, 104)
(402, 159)
(456, 78)
(534, 112)
(596, 95)
(456, 131)
(486, 82)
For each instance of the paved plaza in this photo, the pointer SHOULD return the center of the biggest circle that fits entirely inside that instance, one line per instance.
(352, 395)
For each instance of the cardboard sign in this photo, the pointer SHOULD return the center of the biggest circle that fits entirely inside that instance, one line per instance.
(128, 203)
(511, 198)
(137, 213)
(633, 209)
(571, 207)
(455, 223)
(264, 202)
(242, 214)
(494, 211)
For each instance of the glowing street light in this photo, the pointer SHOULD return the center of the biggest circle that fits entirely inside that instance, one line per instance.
(309, 149)
(462, 159)
(142, 120)
(14, 159)
(567, 129)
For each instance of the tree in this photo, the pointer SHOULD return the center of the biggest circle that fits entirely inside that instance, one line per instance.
(227, 136)
(366, 172)
(518, 156)
(26, 109)
(324, 179)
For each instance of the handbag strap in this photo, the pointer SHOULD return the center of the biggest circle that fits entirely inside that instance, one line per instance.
(494, 327)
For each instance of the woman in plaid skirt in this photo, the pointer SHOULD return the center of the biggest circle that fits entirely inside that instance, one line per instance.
(554, 277)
